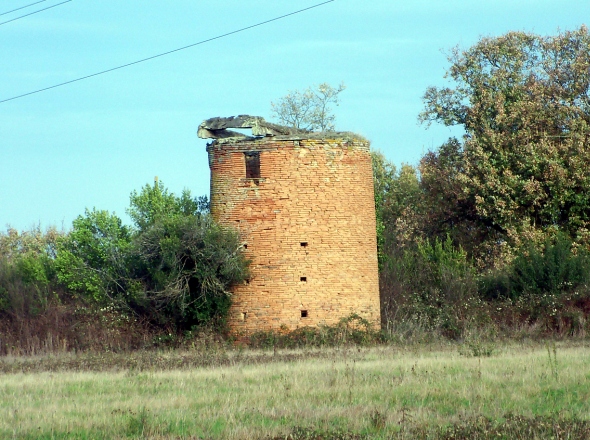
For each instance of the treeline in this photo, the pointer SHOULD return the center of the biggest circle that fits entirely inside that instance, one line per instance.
(493, 230)
(110, 286)
(489, 233)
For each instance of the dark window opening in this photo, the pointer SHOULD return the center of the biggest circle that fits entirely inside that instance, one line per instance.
(252, 164)
(244, 316)
(245, 246)
(303, 279)
(304, 313)
(246, 282)
(304, 244)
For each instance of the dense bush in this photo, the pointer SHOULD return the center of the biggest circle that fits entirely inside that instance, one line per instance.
(27, 274)
(434, 287)
(174, 267)
(94, 258)
(431, 285)
(186, 265)
(498, 194)
(555, 268)
(32, 312)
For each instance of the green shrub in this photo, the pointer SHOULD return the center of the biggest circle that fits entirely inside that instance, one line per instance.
(187, 265)
(174, 268)
(93, 260)
(27, 272)
(352, 329)
(433, 286)
(552, 269)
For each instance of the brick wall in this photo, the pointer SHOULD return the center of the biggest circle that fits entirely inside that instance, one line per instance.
(308, 225)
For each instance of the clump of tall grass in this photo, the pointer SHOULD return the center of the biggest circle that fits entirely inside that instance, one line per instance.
(474, 428)
(515, 426)
(430, 288)
(351, 330)
(434, 290)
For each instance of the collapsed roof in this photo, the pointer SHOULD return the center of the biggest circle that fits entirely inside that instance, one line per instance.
(217, 128)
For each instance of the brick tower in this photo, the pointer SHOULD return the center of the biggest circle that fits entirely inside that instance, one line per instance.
(304, 206)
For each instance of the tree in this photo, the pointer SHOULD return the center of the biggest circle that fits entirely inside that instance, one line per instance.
(174, 268)
(155, 202)
(188, 262)
(94, 258)
(524, 103)
(27, 271)
(308, 109)
(395, 191)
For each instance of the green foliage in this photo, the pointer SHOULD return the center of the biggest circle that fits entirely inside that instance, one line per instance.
(445, 289)
(383, 178)
(21, 295)
(94, 258)
(476, 223)
(174, 269)
(189, 263)
(555, 268)
(442, 258)
(395, 191)
(432, 285)
(499, 195)
(27, 272)
(155, 202)
(186, 261)
(523, 102)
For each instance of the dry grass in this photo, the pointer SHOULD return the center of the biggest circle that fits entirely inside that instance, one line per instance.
(351, 393)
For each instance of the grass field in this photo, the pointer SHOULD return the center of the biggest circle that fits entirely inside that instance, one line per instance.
(518, 391)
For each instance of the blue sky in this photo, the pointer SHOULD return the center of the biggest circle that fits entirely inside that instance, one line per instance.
(89, 144)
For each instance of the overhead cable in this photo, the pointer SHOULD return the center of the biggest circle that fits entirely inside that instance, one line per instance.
(167, 53)
(40, 10)
(22, 7)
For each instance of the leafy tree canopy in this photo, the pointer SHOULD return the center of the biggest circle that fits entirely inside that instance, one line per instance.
(175, 268)
(395, 190)
(524, 102)
(154, 202)
(93, 259)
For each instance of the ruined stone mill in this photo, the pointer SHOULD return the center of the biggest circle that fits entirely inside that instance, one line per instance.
(303, 204)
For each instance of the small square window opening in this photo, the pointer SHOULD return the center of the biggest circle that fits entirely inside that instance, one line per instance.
(303, 279)
(304, 313)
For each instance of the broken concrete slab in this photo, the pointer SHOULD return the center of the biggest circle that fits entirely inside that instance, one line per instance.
(217, 128)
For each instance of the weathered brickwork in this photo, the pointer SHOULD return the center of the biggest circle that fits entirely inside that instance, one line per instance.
(308, 225)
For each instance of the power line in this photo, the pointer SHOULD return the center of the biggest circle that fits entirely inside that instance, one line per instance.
(22, 7)
(167, 53)
(40, 10)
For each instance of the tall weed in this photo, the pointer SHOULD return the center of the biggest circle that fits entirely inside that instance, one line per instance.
(433, 286)
(551, 269)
